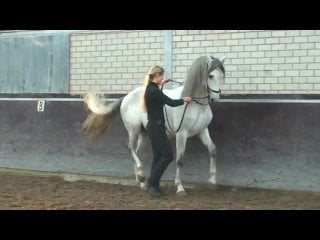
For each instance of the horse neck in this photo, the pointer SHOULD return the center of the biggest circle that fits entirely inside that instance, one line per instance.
(199, 91)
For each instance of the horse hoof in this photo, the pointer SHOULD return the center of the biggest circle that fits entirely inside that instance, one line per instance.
(143, 186)
(212, 180)
(181, 193)
(141, 178)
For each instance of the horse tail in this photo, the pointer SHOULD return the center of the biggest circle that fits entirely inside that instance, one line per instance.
(101, 116)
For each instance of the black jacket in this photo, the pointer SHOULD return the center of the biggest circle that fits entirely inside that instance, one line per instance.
(155, 99)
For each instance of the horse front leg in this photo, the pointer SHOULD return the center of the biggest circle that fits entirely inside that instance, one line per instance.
(181, 139)
(138, 168)
(207, 141)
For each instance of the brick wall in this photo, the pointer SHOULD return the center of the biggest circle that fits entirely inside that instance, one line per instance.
(113, 61)
(257, 62)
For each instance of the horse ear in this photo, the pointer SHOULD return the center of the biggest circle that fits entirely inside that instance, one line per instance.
(222, 59)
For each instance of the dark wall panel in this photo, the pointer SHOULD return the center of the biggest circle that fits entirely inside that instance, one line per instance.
(269, 145)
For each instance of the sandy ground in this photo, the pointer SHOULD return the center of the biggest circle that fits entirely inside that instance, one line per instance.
(30, 192)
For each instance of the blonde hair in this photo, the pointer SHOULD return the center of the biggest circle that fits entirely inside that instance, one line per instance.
(152, 73)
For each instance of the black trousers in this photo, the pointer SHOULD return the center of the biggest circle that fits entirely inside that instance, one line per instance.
(162, 151)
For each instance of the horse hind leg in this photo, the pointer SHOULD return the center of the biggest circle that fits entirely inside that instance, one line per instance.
(207, 141)
(140, 144)
(133, 146)
(181, 140)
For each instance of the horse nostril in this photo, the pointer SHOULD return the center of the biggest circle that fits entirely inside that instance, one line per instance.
(212, 99)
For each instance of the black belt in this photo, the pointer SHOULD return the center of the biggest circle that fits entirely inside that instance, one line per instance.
(157, 122)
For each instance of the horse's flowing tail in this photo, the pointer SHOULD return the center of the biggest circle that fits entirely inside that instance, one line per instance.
(99, 121)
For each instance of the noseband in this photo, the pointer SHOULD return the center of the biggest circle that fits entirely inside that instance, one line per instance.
(212, 90)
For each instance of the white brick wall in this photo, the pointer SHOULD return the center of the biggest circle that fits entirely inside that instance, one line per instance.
(112, 61)
(257, 62)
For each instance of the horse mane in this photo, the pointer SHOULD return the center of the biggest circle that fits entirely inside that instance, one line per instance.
(196, 80)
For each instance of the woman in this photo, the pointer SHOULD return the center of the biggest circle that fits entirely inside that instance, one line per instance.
(153, 100)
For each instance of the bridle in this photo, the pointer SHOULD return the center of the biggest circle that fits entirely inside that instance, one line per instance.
(195, 99)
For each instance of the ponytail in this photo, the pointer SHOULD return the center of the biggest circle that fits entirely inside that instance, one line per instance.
(147, 80)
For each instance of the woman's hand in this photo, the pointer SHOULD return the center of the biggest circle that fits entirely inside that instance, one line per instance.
(164, 81)
(187, 99)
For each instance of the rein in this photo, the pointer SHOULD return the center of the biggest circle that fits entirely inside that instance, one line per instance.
(194, 99)
(165, 110)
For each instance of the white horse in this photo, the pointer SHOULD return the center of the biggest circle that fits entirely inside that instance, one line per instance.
(202, 83)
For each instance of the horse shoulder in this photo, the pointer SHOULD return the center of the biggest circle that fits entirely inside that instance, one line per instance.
(198, 118)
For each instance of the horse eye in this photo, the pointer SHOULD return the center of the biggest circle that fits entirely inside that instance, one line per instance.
(211, 77)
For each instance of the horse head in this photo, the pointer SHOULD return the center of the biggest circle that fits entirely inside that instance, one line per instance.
(203, 79)
(215, 78)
